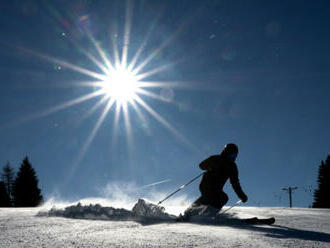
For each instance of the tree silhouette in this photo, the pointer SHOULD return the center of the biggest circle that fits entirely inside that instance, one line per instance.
(4, 197)
(322, 194)
(7, 177)
(26, 192)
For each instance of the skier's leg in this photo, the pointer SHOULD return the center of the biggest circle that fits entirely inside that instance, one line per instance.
(199, 201)
(223, 198)
(207, 197)
(191, 210)
(219, 200)
(216, 199)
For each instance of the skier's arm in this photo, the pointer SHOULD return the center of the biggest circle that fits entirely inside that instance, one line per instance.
(208, 164)
(236, 184)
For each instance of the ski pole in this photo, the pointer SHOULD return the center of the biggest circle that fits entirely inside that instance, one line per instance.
(180, 188)
(236, 204)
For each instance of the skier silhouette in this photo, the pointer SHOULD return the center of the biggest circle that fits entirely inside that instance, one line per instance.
(219, 168)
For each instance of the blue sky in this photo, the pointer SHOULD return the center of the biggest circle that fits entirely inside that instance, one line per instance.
(250, 72)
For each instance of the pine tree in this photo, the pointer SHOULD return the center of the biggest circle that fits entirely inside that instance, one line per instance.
(322, 194)
(7, 177)
(26, 192)
(4, 197)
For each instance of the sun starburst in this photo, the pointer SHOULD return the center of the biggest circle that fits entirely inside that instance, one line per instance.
(121, 86)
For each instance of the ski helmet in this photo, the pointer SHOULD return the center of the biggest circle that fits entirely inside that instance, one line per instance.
(230, 149)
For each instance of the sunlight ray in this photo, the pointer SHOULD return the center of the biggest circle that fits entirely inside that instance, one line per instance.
(101, 52)
(59, 17)
(150, 94)
(94, 108)
(115, 50)
(143, 45)
(157, 116)
(90, 83)
(128, 128)
(150, 57)
(52, 109)
(141, 116)
(63, 105)
(191, 85)
(153, 71)
(127, 32)
(75, 68)
(115, 124)
(137, 54)
(157, 51)
(143, 84)
(166, 124)
(126, 119)
(65, 64)
(159, 84)
(94, 131)
(91, 57)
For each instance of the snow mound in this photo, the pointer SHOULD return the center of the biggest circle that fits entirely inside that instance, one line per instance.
(142, 211)
(148, 209)
(91, 211)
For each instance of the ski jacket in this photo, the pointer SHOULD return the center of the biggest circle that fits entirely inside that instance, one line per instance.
(218, 170)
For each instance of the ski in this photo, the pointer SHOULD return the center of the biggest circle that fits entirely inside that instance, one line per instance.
(207, 214)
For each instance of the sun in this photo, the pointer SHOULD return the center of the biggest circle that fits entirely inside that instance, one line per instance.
(120, 85)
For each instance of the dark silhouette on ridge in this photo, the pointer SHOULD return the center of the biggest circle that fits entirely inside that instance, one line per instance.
(321, 195)
(26, 192)
(8, 177)
(4, 197)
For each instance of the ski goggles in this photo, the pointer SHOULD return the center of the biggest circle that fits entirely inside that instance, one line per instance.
(233, 155)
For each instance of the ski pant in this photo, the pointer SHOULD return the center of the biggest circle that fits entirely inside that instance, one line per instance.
(216, 199)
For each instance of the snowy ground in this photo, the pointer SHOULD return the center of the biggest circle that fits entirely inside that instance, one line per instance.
(293, 228)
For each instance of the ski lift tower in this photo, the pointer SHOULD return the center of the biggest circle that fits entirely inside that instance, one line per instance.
(289, 190)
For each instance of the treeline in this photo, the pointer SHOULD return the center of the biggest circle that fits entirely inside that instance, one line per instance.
(20, 189)
(322, 194)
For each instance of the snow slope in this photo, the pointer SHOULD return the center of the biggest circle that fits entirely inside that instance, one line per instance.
(33, 227)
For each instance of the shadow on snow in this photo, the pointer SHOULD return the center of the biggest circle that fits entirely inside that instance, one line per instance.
(273, 231)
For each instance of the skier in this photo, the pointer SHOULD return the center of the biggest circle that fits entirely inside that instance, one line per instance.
(218, 169)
